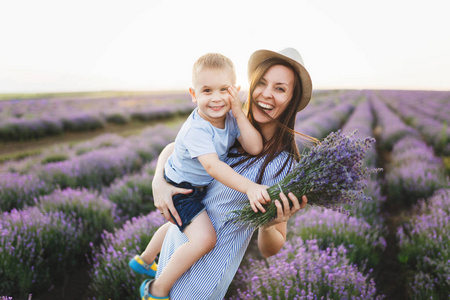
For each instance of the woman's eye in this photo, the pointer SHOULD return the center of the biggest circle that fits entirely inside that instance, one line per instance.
(281, 90)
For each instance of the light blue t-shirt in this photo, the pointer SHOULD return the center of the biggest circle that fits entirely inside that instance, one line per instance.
(195, 138)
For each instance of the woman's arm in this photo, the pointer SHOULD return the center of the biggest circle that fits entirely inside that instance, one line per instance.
(272, 236)
(163, 191)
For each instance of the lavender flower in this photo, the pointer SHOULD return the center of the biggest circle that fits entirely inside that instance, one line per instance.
(302, 271)
(415, 172)
(364, 242)
(35, 247)
(389, 125)
(17, 190)
(362, 120)
(423, 242)
(330, 175)
(110, 275)
(94, 212)
(132, 194)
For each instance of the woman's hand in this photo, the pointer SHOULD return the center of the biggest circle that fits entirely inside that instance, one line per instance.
(272, 235)
(284, 212)
(162, 197)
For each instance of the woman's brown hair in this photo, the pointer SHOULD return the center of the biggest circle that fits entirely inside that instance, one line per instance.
(284, 137)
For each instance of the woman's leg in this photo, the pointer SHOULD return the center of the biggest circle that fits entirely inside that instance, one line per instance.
(155, 244)
(202, 239)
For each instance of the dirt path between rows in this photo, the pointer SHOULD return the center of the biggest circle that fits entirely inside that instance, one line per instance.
(21, 148)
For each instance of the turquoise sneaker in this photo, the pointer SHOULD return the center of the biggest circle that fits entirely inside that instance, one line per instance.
(145, 294)
(138, 265)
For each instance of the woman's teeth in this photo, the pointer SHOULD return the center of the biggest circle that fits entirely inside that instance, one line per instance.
(265, 106)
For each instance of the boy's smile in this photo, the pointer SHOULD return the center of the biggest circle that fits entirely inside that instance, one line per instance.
(211, 94)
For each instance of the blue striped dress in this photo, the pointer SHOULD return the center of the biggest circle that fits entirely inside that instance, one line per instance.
(210, 277)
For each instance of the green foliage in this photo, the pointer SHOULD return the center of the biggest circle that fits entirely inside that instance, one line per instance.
(111, 277)
(364, 243)
(36, 248)
(95, 212)
(132, 195)
(54, 158)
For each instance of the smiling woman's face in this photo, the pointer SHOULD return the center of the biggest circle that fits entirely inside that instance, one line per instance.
(273, 93)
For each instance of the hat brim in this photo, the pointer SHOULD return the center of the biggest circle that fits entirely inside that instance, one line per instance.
(259, 56)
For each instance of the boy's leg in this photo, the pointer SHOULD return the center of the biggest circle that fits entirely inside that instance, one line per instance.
(202, 239)
(155, 244)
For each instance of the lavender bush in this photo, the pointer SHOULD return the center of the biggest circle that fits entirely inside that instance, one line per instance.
(321, 124)
(111, 278)
(93, 169)
(82, 122)
(35, 248)
(23, 129)
(415, 172)
(103, 141)
(364, 242)
(302, 271)
(94, 212)
(389, 125)
(362, 120)
(330, 175)
(370, 211)
(132, 194)
(424, 241)
(17, 190)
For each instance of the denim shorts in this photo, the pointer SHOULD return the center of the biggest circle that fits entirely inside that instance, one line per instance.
(188, 206)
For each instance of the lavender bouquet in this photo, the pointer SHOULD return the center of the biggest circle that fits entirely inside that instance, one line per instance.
(332, 173)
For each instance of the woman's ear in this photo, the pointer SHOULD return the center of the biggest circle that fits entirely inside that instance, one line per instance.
(192, 92)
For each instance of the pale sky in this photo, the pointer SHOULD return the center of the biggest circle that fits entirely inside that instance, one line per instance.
(92, 45)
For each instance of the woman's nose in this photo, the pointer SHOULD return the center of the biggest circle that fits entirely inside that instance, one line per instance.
(266, 92)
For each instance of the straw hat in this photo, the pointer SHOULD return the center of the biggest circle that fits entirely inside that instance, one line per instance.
(295, 59)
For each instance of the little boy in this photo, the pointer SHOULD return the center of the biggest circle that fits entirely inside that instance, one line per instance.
(200, 146)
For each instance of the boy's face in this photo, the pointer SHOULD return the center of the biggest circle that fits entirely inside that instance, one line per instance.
(211, 94)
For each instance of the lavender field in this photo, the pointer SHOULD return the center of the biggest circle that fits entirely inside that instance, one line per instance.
(73, 214)
(37, 117)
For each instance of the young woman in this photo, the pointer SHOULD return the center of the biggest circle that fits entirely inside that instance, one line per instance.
(280, 86)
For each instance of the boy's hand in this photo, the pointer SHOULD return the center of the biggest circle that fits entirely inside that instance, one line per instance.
(258, 195)
(236, 104)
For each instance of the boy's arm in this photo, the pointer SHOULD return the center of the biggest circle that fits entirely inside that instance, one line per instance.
(250, 138)
(223, 173)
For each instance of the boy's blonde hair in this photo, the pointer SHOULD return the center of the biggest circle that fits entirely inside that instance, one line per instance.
(213, 61)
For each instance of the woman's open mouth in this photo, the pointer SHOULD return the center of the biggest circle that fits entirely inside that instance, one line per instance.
(265, 106)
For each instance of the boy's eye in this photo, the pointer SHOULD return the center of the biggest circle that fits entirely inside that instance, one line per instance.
(207, 91)
(224, 89)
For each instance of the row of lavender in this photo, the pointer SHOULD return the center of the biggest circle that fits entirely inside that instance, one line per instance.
(332, 256)
(52, 218)
(93, 164)
(426, 111)
(36, 118)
